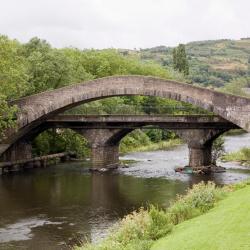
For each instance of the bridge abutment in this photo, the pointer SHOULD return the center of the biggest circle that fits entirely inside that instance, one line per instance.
(19, 151)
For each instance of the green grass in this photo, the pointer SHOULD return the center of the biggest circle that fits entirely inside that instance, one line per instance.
(242, 156)
(235, 132)
(153, 146)
(139, 230)
(225, 227)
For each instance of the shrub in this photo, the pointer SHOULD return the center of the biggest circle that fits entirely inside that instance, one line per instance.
(242, 155)
(246, 153)
(198, 200)
(160, 224)
(218, 149)
(138, 230)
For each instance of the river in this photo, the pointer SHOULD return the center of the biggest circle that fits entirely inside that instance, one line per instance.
(62, 205)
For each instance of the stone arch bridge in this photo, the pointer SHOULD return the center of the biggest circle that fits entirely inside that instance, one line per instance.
(37, 109)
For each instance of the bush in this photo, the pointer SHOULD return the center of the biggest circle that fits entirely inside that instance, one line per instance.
(138, 230)
(133, 140)
(60, 140)
(246, 153)
(198, 200)
(160, 224)
(242, 155)
(218, 149)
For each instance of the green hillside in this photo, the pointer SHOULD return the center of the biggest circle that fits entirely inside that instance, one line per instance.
(211, 62)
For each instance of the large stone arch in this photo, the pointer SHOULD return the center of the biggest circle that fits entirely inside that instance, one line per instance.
(35, 109)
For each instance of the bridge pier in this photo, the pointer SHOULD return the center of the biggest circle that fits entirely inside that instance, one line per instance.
(201, 156)
(104, 146)
(200, 143)
(106, 156)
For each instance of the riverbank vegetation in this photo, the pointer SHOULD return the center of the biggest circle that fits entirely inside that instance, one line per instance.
(242, 156)
(149, 140)
(141, 229)
(224, 227)
(235, 132)
(152, 146)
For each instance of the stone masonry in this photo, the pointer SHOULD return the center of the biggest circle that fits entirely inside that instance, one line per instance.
(36, 109)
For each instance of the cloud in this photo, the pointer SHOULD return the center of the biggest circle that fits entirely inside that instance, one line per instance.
(124, 23)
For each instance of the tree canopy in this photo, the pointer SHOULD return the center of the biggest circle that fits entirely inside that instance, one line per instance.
(180, 60)
(36, 66)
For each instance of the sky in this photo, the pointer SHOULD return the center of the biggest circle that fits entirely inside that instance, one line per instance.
(124, 23)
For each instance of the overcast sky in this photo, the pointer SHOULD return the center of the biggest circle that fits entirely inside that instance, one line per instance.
(124, 23)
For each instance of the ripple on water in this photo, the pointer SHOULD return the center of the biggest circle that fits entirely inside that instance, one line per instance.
(161, 164)
(22, 229)
(85, 205)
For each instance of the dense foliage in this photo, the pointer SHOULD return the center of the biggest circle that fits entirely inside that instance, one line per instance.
(35, 66)
(238, 86)
(13, 79)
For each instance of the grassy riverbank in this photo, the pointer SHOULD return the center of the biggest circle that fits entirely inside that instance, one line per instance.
(235, 132)
(225, 227)
(152, 146)
(140, 230)
(242, 156)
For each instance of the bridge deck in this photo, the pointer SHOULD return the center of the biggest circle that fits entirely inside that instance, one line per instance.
(137, 121)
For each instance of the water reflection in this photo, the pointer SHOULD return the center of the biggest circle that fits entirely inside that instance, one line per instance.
(22, 230)
(55, 208)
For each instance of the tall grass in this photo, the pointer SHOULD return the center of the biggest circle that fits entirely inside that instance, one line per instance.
(152, 146)
(197, 201)
(242, 155)
(141, 228)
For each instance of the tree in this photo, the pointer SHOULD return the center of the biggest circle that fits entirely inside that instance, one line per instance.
(180, 60)
(13, 80)
(218, 149)
(76, 61)
(7, 115)
(13, 72)
(36, 66)
(47, 68)
(36, 44)
(237, 86)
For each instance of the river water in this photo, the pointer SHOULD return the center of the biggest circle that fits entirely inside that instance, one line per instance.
(58, 207)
